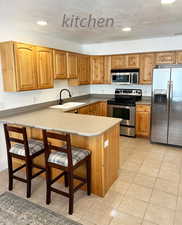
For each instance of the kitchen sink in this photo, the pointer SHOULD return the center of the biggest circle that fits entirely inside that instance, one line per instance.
(68, 105)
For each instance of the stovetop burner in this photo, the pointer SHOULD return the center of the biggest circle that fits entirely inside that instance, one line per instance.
(127, 97)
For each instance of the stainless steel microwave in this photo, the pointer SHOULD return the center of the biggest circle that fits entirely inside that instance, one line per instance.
(125, 76)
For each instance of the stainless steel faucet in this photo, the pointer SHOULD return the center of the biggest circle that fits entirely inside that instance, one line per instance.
(60, 99)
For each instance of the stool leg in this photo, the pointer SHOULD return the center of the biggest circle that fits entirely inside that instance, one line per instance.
(88, 175)
(71, 193)
(10, 171)
(66, 179)
(29, 177)
(48, 185)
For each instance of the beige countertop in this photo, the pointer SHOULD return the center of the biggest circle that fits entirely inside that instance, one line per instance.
(57, 120)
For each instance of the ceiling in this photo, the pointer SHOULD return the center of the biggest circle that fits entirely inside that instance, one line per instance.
(147, 18)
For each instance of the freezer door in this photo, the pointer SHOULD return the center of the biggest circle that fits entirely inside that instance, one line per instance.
(160, 105)
(175, 115)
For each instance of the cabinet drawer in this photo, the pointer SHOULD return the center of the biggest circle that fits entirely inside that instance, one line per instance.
(143, 108)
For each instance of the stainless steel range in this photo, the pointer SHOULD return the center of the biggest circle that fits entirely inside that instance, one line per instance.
(123, 106)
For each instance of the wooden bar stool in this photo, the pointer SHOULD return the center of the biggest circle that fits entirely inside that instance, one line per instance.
(24, 149)
(67, 159)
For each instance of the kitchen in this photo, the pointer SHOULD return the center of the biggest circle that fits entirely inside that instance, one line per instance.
(104, 80)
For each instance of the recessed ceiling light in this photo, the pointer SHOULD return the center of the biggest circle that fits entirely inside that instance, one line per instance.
(126, 29)
(167, 1)
(42, 22)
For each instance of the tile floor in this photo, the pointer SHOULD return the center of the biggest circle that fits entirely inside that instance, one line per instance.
(147, 192)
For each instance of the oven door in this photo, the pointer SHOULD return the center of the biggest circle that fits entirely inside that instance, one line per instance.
(126, 113)
(124, 78)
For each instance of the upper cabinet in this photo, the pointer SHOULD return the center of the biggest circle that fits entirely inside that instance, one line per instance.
(44, 62)
(97, 69)
(72, 65)
(129, 61)
(26, 67)
(107, 69)
(118, 61)
(179, 57)
(147, 62)
(133, 61)
(60, 64)
(24, 73)
(84, 69)
(165, 58)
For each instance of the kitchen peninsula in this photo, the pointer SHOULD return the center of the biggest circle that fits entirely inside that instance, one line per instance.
(98, 134)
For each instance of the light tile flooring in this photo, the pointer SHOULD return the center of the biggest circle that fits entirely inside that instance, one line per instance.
(147, 192)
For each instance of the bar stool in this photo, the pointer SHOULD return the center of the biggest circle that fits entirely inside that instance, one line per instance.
(24, 149)
(67, 159)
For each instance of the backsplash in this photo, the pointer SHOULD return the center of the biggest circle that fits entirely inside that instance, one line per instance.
(109, 89)
(10, 100)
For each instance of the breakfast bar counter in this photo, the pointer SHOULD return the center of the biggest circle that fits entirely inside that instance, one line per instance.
(98, 134)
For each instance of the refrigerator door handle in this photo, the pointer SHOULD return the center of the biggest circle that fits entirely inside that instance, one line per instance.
(168, 95)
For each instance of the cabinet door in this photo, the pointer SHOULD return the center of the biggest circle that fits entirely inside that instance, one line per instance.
(72, 65)
(118, 61)
(107, 69)
(44, 58)
(143, 121)
(25, 67)
(146, 68)
(97, 69)
(84, 110)
(84, 69)
(179, 57)
(60, 64)
(133, 61)
(165, 58)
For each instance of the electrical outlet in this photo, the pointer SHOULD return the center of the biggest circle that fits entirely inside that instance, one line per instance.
(106, 143)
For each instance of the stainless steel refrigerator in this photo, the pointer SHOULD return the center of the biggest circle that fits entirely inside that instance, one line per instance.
(166, 123)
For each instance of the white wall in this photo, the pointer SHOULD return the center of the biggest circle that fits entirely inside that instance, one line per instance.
(133, 46)
(109, 89)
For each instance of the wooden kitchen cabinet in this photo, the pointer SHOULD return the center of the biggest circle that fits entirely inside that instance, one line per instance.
(147, 62)
(18, 66)
(143, 120)
(133, 61)
(179, 57)
(97, 69)
(165, 58)
(26, 67)
(60, 64)
(72, 65)
(130, 61)
(83, 69)
(118, 61)
(96, 109)
(84, 110)
(107, 70)
(44, 62)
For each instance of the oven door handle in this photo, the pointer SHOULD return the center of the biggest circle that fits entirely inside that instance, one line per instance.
(121, 107)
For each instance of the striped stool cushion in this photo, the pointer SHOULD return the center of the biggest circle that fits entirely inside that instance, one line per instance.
(34, 147)
(61, 158)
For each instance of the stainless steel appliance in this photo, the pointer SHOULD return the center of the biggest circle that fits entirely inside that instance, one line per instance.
(166, 125)
(125, 76)
(123, 106)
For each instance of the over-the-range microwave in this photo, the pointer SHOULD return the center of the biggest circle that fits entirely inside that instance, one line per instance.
(120, 76)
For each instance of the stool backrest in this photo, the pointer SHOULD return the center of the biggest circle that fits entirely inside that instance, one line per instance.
(49, 147)
(9, 139)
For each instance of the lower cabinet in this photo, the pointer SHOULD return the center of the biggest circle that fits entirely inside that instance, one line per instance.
(143, 120)
(97, 109)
